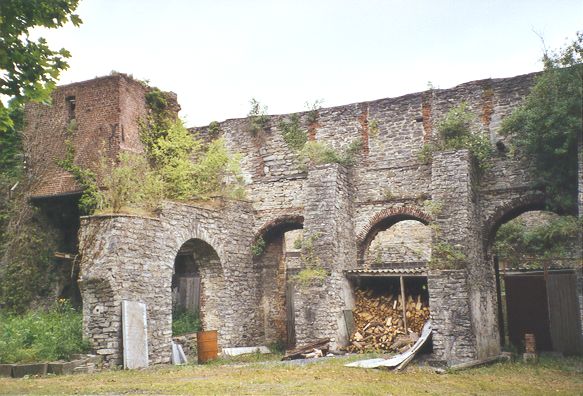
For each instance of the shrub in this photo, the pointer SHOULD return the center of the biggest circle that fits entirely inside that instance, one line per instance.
(184, 322)
(546, 126)
(131, 184)
(294, 136)
(317, 153)
(554, 239)
(257, 117)
(39, 336)
(258, 247)
(455, 134)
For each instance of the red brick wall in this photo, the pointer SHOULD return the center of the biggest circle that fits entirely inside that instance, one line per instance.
(104, 108)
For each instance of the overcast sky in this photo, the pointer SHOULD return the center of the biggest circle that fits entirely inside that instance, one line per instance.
(218, 54)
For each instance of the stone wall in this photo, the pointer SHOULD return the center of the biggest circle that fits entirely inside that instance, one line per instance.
(453, 333)
(132, 258)
(345, 208)
(405, 242)
(328, 213)
(453, 187)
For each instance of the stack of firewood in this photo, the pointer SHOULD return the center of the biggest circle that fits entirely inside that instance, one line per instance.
(379, 322)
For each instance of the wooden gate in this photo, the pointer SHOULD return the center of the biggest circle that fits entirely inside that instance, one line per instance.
(188, 296)
(549, 309)
(564, 313)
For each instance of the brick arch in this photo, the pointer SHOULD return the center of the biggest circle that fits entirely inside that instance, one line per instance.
(280, 224)
(508, 211)
(385, 219)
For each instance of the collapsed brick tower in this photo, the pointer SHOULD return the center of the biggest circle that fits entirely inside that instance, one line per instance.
(98, 117)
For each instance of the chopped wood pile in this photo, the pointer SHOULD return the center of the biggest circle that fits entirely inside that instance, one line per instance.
(380, 325)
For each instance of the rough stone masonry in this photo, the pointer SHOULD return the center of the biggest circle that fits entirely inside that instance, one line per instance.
(253, 300)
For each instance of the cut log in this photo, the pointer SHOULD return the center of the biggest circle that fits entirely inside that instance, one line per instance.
(299, 352)
(380, 321)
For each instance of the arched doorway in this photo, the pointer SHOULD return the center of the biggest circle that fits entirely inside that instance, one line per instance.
(390, 284)
(404, 243)
(536, 255)
(197, 288)
(276, 256)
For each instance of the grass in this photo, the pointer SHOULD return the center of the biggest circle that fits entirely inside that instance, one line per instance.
(322, 377)
(41, 335)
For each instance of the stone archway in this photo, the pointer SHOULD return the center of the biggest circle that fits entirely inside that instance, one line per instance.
(384, 220)
(275, 262)
(198, 284)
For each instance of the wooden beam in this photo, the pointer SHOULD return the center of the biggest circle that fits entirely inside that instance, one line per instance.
(403, 304)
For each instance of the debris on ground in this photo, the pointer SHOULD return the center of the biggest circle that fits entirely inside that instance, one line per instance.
(318, 348)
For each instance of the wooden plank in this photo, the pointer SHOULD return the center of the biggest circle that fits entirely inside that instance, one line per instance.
(196, 294)
(290, 315)
(564, 313)
(404, 304)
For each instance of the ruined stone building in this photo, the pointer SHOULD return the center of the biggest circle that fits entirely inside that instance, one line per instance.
(346, 211)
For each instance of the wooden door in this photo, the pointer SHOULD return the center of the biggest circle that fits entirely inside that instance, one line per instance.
(527, 308)
(564, 313)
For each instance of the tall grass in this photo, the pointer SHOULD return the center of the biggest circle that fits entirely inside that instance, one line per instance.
(41, 335)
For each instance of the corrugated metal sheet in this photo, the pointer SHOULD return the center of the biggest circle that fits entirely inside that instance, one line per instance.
(420, 271)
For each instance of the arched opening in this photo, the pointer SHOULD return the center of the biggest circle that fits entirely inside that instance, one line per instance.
(406, 243)
(536, 254)
(276, 260)
(391, 298)
(197, 288)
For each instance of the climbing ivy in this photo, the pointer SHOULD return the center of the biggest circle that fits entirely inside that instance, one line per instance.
(85, 177)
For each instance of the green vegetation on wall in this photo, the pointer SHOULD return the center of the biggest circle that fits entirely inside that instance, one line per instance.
(545, 128)
(27, 241)
(312, 270)
(318, 153)
(85, 177)
(455, 133)
(257, 117)
(556, 240)
(178, 165)
(293, 134)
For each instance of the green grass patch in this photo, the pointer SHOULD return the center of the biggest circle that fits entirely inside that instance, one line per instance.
(323, 377)
(41, 336)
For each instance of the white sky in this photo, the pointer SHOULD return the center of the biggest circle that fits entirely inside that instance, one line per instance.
(218, 54)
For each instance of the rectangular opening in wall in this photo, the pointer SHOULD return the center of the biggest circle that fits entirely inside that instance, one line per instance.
(390, 310)
(71, 103)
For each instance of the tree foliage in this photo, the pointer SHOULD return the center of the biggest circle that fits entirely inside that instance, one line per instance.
(545, 128)
(520, 243)
(29, 69)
